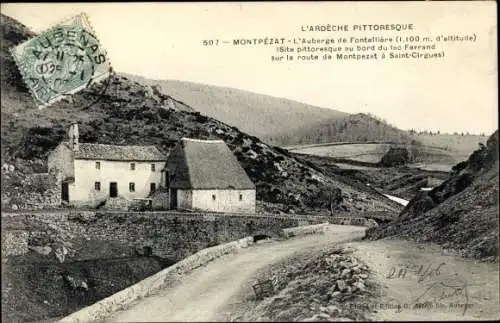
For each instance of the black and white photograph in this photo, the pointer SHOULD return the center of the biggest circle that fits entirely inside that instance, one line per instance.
(311, 161)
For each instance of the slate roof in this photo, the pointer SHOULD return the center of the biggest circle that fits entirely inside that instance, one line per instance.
(206, 164)
(117, 152)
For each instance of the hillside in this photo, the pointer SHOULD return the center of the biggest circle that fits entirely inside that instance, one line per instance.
(277, 121)
(260, 115)
(122, 111)
(461, 213)
(358, 127)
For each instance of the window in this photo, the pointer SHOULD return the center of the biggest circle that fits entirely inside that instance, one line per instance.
(97, 165)
(152, 187)
(153, 167)
(97, 186)
(131, 187)
(213, 197)
(241, 197)
(132, 166)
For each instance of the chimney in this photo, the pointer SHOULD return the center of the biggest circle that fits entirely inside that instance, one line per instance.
(73, 137)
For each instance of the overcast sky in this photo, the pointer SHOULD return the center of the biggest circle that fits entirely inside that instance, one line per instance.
(164, 41)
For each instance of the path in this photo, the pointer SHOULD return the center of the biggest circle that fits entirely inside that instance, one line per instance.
(455, 288)
(206, 291)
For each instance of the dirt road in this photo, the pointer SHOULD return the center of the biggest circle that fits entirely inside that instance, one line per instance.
(428, 284)
(205, 292)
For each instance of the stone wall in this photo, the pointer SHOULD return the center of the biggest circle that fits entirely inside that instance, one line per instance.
(31, 192)
(14, 243)
(154, 283)
(178, 236)
(158, 281)
(171, 235)
(354, 221)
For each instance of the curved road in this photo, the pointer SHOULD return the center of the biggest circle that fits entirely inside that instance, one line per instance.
(205, 293)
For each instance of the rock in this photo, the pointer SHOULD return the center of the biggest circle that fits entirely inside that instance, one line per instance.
(318, 317)
(333, 310)
(71, 281)
(345, 273)
(360, 286)
(363, 276)
(45, 250)
(336, 293)
(14, 207)
(61, 253)
(341, 285)
(356, 269)
(323, 316)
(334, 258)
(84, 285)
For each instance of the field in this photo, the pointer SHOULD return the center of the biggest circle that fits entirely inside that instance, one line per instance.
(437, 152)
(371, 153)
(457, 143)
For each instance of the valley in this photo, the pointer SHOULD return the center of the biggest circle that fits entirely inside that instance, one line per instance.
(381, 196)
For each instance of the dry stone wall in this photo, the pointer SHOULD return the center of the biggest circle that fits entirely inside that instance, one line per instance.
(169, 235)
(14, 243)
(30, 192)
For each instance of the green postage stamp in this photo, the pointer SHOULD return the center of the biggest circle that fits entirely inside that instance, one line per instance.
(62, 60)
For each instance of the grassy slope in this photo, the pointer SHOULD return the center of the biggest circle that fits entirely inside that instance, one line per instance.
(461, 213)
(277, 121)
(355, 127)
(436, 152)
(257, 114)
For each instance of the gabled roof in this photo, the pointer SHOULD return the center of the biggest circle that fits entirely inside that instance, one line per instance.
(206, 164)
(117, 152)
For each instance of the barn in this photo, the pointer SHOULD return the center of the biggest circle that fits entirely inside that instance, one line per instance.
(205, 175)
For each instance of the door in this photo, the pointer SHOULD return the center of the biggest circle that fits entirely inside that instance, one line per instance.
(113, 189)
(65, 192)
(173, 198)
(152, 187)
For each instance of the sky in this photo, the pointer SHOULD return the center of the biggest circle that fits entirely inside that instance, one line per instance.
(165, 41)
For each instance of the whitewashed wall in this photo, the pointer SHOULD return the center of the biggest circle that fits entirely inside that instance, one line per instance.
(225, 200)
(86, 174)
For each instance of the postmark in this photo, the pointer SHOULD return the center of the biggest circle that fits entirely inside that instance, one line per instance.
(62, 61)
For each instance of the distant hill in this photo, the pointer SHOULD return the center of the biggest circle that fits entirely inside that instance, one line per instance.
(350, 128)
(277, 121)
(260, 115)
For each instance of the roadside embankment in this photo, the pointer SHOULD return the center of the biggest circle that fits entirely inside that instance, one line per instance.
(155, 283)
(310, 286)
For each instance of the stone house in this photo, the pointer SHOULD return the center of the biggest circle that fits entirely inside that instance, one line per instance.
(205, 175)
(91, 173)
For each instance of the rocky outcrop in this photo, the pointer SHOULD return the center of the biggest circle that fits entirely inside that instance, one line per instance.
(460, 214)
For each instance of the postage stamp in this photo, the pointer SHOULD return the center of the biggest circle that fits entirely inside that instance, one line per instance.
(62, 60)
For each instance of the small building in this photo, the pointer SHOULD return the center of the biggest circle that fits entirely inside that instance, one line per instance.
(205, 175)
(92, 173)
